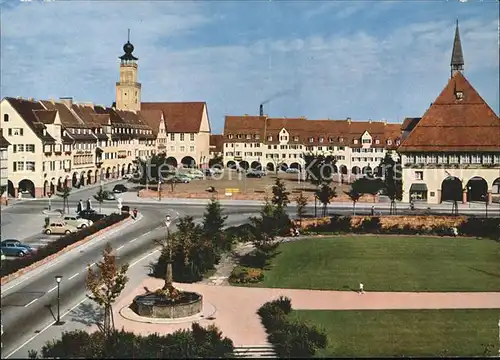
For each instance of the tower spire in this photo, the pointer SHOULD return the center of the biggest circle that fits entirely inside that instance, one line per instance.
(128, 36)
(457, 56)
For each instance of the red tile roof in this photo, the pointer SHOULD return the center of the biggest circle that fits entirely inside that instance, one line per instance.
(68, 119)
(409, 124)
(454, 124)
(181, 117)
(216, 143)
(45, 116)
(302, 129)
(26, 109)
(152, 118)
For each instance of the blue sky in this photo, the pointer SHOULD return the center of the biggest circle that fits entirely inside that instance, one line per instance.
(327, 59)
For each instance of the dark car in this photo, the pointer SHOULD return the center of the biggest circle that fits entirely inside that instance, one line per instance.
(91, 215)
(14, 247)
(254, 174)
(120, 188)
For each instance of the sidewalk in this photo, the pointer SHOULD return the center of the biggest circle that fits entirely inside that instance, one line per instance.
(132, 197)
(13, 201)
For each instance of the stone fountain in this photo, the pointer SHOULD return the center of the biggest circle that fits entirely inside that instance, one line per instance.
(168, 302)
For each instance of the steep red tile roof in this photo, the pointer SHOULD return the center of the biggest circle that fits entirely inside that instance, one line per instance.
(409, 124)
(216, 143)
(66, 116)
(302, 130)
(181, 117)
(45, 116)
(25, 108)
(453, 124)
(152, 118)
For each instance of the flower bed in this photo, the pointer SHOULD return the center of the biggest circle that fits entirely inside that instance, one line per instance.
(410, 225)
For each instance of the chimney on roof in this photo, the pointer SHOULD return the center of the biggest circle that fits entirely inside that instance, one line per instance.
(245, 114)
(31, 99)
(348, 120)
(67, 100)
(52, 101)
(19, 97)
(261, 110)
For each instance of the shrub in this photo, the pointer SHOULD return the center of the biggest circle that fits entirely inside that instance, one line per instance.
(284, 303)
(340, 223)
(255, 259)
(297, 339)
(10, 267)
(244, 275)
(290, 339)
(371, 225)
(198, 342)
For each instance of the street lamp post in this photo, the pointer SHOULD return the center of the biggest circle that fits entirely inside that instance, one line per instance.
(58, 280)
(169, 277)
(50, 203)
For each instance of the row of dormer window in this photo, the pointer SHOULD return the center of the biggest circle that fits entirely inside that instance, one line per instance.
(452, 159)
(311, 139)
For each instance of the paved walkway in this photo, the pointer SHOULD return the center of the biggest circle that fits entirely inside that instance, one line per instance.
(236, 307)
(131, 196)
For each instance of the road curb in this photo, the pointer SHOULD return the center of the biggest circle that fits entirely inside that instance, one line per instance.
(8, 278)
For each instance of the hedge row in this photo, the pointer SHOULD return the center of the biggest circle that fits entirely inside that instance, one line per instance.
(289, 338)
(478, 227)
(10, 267)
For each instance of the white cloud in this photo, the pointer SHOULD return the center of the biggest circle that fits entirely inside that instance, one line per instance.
(72, 50)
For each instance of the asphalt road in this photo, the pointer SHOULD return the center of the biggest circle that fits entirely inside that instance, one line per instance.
(30, 305)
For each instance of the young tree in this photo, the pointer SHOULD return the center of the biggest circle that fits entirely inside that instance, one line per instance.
(65, 194)
(280, 195)
(213, 225)
(100, 196)
(265, 229)
(392, 173)
(354, 196)
(188, 251)
(106, 284)
(319, 168)
(216, 160)
(301, 201)
(325, 194)
(368, 186)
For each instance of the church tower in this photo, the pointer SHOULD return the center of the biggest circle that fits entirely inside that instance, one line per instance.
(457, 56)
(128, 90)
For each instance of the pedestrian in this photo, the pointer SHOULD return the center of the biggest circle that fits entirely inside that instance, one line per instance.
(454, 231)
(135, 213)
(373, 210)
(361, 288)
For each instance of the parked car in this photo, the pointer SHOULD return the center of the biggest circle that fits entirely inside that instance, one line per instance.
(91, 215)
(59, 228)
(126, 176)
(120, 188)
(197, 174)
(181, 179)
(261, 172)
(109, 196)
(254, 174)
(77, 221)
(2, 257)
(12, 247)
(292, 171)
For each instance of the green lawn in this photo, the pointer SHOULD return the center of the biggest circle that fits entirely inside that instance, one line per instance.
(387, 264)
(406, 332)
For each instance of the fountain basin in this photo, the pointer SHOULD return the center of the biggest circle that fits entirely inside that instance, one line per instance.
(156, 306)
